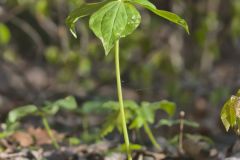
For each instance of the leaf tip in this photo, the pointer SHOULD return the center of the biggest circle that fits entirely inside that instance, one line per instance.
(187, 30)
(73, 32)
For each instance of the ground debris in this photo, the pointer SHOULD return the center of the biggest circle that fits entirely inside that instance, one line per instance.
(34, 136)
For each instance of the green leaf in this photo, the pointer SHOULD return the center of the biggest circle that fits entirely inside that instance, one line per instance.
(143, 114)
(130, 105)
(137, 123)
(238, 93)
(108, 23)
(190, 123)
(109, 125)
(172, 17)
(174, 140)
(167, 106)
(74, 141)
(20, 112)
(167, 122)
(228, 113)
(115, 20)
(133, 21)
(84, 10)
(92, 107)
(164, 14)
(147, 112)
(113, 105)
(49, 109)
(114, 120)
(68, 103)
(170, 123)
(132, 147)
(144, 3)
(4, 34)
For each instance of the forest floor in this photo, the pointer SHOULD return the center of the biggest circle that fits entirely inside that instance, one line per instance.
(33, 142)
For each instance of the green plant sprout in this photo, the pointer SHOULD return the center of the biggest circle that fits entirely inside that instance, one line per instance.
(114, 118)
(50, 109)
(145, 116)
(181, 122)
(89, 108)
(137, 116)
(230, 114)
(112, 20)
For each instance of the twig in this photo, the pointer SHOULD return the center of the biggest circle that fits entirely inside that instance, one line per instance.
(180, 145)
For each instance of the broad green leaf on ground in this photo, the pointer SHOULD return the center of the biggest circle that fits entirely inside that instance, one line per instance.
(114, 120)
(114, 20)
(50, 109)
(129, 104)
(109, 125)
(230, 112)
(170, 123)
(92, 107)
(167, 122)
(132, 147)
(68, 103)
(164, 14)
(113, 105)
(21, 112)
(167, 106)
(147, 112)
(84, 10)
(144, 114)
(137, 123)
(190, 123)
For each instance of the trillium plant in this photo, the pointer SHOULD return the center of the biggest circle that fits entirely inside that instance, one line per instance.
(111, 20)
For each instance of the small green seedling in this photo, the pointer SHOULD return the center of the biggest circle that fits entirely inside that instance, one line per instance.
(181, 122)
(112, 20)
(137, 116)
(114, 118)
(171, 122)
(50, 109)
(87, 109)
(133, 147)
(230, 114)
(8, 129)
(145, 116)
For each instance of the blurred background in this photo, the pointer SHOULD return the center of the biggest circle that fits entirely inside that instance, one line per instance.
(41, 60)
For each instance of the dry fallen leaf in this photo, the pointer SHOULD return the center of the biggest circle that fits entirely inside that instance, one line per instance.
(23, 138)
(34, 136)
(41, 136)
(150, 155)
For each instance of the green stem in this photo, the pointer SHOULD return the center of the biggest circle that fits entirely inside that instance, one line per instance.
(49, 132)
(150, 135)
(120, 98)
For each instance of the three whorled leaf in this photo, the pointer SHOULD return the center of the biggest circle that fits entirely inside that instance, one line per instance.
(114, 19)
